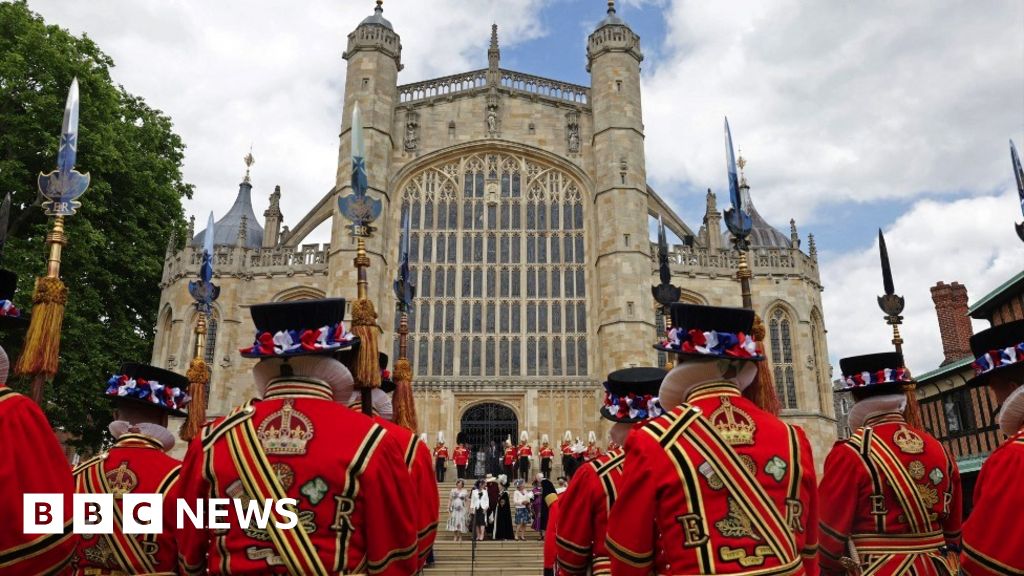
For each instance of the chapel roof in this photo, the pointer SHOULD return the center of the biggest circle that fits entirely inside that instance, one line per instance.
(225, 230)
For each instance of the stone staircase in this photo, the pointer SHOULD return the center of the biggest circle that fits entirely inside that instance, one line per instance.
(504, 558)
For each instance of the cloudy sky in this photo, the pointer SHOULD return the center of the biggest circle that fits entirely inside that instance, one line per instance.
(852, 116)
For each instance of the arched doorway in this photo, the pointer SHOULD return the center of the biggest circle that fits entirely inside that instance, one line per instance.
(488, 421)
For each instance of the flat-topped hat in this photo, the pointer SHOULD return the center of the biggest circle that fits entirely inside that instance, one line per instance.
(997, 350)
(304, 327)
(710, 332)
(880, 373)
(155, 387)
(11, 318)
(631, 394)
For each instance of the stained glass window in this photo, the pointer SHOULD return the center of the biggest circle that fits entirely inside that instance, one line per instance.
(779, 329)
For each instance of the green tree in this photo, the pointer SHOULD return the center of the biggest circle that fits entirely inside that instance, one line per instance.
(114, 258)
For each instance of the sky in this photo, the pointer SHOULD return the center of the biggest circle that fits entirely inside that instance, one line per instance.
(853, 116)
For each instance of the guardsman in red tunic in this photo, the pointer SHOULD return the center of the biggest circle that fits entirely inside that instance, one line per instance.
(568, 458)
(28, 438)
(546, 454)
(137, 464)
(524, 453)
(417, 458)
(550, 542)
(993, 539)
(593, 450)
(345, 472)
(440, 458)
(631, 398)
(716, 485)
(890, 494)
(509, 459)
(461, 459)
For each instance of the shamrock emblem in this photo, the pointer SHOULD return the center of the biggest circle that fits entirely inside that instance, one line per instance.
(314, 490)
(776, 468)
(936, 476)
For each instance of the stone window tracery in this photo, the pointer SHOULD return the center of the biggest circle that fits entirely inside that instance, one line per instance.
(493, 195)
(780, 332)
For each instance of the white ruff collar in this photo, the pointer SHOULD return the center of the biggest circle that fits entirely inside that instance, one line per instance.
(162, 435)
(873, 405)
(1011, 415)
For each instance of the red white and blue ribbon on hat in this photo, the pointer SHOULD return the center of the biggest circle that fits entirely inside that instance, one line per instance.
(632, 406)
(124, 386)
(712, 343)
(878, 377)
(997, 358)
(8, 309)
(288, 342)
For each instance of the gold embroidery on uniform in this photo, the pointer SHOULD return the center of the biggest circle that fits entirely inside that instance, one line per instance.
(736, 524)
(714, 482)
(693, 530)
(916, 469)
(101, 554)
(121, 480)
(344, 507)
(285, 432)
(306, 520)
(878, 505)
(794, 510)
(734, 425)
(285, 474)
(908, 441)
(729, 554)
(266, 554)
(929, 495)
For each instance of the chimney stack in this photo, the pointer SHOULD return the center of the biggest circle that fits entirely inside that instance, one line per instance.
(954, 323)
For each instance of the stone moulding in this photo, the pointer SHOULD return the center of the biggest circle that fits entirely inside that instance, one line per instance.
(510, 81)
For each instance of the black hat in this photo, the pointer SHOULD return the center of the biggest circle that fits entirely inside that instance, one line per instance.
(711, 332)
(387, 383)
(631, 394)
(151, 386)
(303, 327)
(10, 317)
(998, 348)
(881, 373)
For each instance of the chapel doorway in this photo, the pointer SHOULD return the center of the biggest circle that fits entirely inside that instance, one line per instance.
(482, 423)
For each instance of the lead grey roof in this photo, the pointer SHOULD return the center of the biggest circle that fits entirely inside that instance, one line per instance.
(226, 229)
(377, 18)
(762, 234)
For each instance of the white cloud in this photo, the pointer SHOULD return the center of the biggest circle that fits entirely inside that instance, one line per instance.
(270, 74)
(971, 241)
(833, 102)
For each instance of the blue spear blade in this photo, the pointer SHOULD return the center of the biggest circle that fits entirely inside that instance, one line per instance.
(1018, 173)
(203, 291)
(736, 218)
(405, 287)
(63, 186)
(358, 207)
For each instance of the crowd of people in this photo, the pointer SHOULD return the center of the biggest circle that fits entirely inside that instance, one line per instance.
(493, 511)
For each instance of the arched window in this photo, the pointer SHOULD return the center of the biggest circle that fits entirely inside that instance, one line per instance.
(780, 330)
(166, 343)
(820, 360)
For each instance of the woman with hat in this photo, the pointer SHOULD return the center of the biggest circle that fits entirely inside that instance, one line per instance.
(993, 541)
(631, 399)
(345, 471)
(27, 437)
(144, 396)
(891, 491)
(717, 484)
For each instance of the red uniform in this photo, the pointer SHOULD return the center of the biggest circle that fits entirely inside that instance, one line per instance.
(546, 453)
(441, 452)
(716, 486)
(345, 472)
(461, 456)
(136, 464)
(510, 456)
(525, 451)
(428, 501)
(32, 462)
(550, 546)
(587, 502)
(566, 449)
(993, 539)
(894, 492)
(593, 451)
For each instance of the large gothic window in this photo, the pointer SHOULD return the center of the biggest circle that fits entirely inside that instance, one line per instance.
(780, 330)
(517, 226)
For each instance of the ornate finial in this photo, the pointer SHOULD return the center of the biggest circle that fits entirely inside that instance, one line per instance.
(792, 226)
(249, 161)
(191, 227)
(242, 229)
(380, 7)
(611, 6)
(812, 247)
(494, 36)
(742, 162)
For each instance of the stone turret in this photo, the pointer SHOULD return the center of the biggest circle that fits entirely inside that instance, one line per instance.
(712, 223)
(272, 219)
(620, 181)
(374, 56)
(240, 215)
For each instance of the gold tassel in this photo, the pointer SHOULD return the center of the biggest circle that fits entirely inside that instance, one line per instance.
(762, 390)
(364, 325)
(41, 353)
(198, 377)
(402, 402)
(912, 413)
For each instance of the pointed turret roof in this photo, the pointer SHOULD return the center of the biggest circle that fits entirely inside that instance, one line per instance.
(377, 17)
(612, 19)
(762, 234)
(225, 230)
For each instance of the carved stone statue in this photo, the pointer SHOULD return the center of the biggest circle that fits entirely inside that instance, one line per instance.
(412, 137)
(574, 139)
(492, 122)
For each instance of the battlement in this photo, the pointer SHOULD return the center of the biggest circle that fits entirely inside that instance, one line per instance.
(470, 83)
(240, 262)
(764, 261)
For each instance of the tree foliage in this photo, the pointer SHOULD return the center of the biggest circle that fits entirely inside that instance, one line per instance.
(113, 262)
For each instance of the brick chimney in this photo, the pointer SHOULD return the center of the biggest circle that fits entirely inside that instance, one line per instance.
(954, 323)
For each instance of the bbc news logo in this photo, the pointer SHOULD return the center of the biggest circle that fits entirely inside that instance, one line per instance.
(144, 513)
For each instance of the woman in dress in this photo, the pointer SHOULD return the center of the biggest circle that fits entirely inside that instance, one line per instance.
(536, 505)
(546, 489)
(503, 513)
(479, 505)
(522, 500)
(457, 510)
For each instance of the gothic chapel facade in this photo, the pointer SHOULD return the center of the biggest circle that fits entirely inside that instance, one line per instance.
(529, 210)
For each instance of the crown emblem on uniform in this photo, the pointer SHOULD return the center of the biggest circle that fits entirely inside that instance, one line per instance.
(121, 480)
(734, 425)
(908, 441)
(285, 432)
